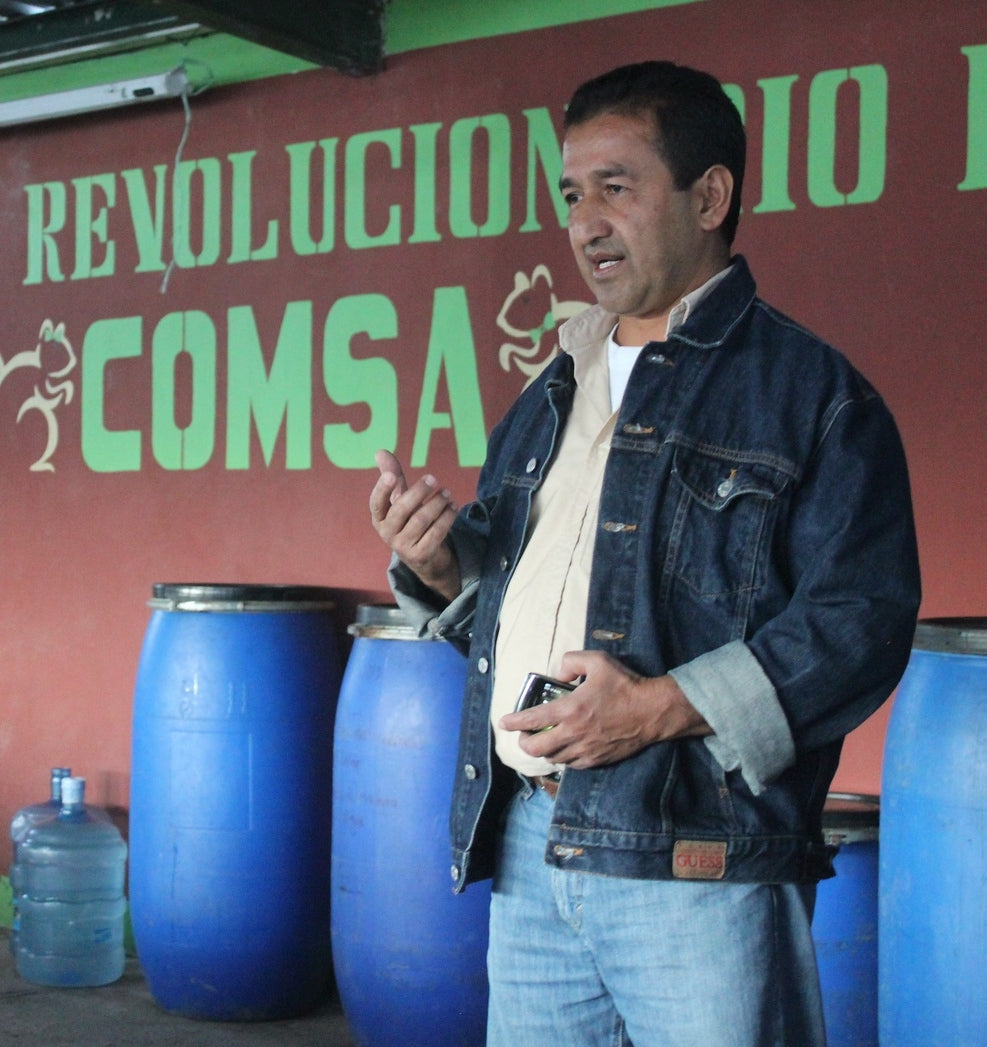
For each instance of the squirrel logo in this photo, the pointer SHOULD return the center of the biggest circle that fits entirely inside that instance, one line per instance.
(54, 359)
(530, 312)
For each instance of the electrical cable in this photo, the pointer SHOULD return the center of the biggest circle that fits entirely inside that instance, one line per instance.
(187, 92)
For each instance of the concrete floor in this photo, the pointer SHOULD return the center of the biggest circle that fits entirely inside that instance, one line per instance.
(125, 1015)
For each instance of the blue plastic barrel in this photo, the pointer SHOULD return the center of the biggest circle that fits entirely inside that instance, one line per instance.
(844, 927)
(933, 866)
(410, 956)
(231, 798)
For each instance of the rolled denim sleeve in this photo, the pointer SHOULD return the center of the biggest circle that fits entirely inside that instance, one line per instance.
(731, 691)
(423, 607)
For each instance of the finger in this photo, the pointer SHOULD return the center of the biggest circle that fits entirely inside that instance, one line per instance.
(537, 719)
(526, 722)
(416, 525)
(547, 744)
(423, 515)
(576, 664)
(424, 492)
(388, 464)
(380, 496)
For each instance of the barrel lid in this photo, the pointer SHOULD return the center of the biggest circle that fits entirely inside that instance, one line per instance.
(952, 635)
(383, 622)
(851, 817)
(198, 596)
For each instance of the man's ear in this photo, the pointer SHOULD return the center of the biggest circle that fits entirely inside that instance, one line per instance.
(714, 191)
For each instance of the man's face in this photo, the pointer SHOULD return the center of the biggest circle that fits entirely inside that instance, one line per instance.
(638, 241)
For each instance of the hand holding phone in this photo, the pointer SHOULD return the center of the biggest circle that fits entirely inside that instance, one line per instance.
(538, 689)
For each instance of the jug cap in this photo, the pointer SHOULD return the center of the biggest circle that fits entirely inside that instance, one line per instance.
(73, 791)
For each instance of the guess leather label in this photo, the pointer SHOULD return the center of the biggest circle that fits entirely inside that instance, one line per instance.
(699, 859)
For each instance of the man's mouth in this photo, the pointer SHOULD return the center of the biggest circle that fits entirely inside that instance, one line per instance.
(602, 264)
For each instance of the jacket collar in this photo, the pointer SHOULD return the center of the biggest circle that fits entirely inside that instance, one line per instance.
(707, 327)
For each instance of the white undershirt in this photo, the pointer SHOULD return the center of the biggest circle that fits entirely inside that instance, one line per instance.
(621, 358)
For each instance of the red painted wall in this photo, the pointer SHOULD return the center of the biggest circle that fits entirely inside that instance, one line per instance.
(895, 280)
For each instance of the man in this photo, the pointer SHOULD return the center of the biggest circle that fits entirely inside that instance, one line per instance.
(701, 512)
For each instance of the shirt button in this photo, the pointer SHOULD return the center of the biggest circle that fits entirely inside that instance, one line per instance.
(531, 466)
(471, 772)
(504, 563)
(454, 872)
(483, 665)
(724, 488)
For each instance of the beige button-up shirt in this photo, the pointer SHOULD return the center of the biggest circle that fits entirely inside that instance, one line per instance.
(544, 609)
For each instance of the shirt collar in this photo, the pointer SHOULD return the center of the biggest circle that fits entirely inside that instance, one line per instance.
(682, 310)
(582, 333)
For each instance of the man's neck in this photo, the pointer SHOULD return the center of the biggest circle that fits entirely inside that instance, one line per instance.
(633, 330)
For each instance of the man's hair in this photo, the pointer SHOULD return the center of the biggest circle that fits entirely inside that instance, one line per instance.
(697, 124)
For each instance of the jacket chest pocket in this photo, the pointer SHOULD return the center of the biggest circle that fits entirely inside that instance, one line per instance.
(724, 510)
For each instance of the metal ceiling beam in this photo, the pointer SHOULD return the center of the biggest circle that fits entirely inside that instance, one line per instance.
(86, 30)
(347, 35)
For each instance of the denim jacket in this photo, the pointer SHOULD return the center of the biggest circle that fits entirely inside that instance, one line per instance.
(755, 540)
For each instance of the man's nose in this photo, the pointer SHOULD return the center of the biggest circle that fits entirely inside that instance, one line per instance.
(588, 223)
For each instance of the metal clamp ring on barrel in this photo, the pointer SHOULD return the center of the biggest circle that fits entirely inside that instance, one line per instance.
(856, 823)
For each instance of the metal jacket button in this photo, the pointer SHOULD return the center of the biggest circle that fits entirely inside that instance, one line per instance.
(727, 485)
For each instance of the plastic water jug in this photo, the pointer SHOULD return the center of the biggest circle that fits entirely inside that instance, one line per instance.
(27, 817)
(33, 813)
(68, 887)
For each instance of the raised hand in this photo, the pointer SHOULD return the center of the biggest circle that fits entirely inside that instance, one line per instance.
(414, 522)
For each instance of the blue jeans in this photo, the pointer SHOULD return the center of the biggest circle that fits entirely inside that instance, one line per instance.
(581, 959)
